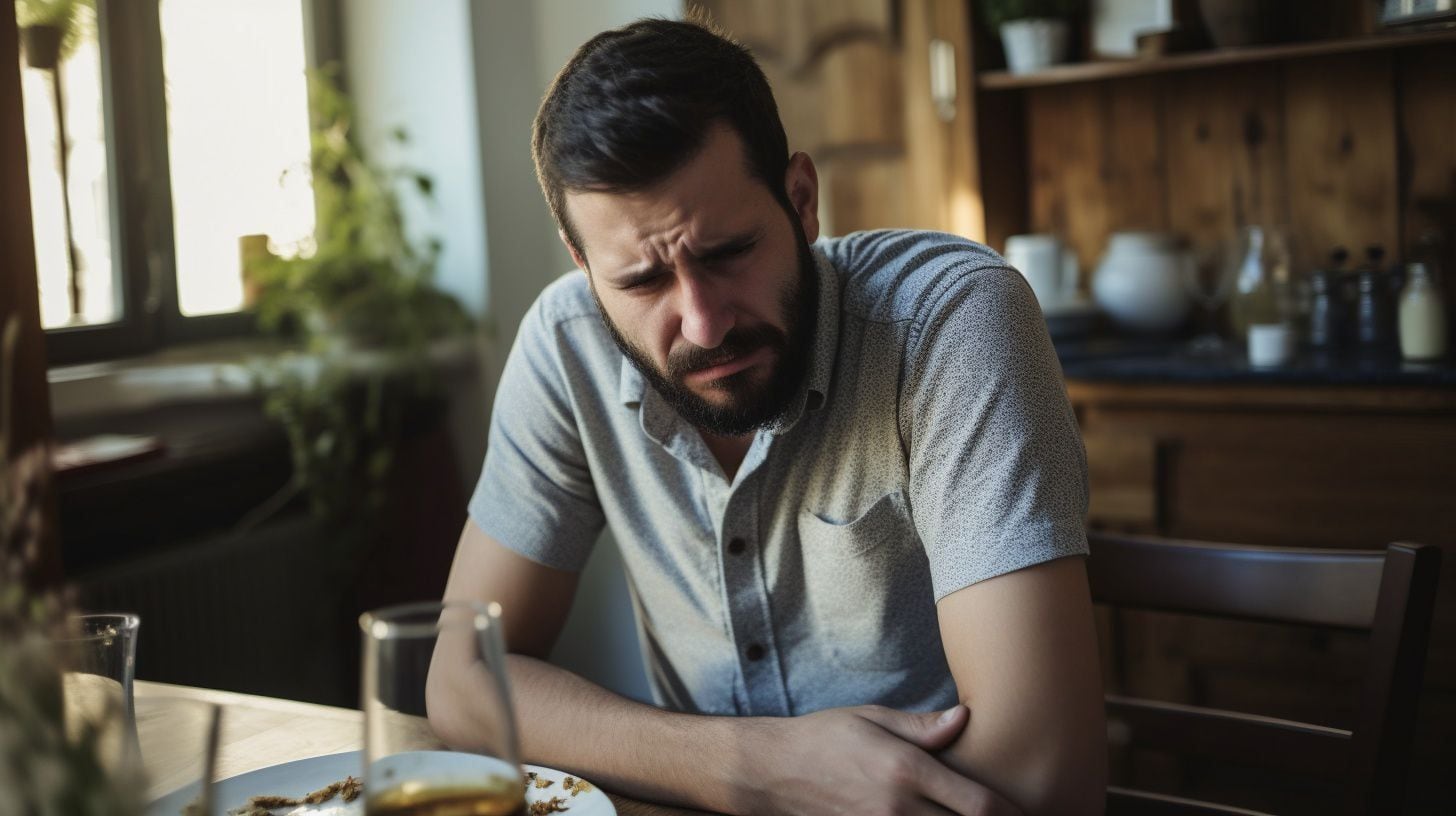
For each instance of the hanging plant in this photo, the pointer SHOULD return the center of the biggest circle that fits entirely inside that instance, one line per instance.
(52, 30)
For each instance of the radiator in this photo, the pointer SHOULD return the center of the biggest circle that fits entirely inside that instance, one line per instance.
(269, 613)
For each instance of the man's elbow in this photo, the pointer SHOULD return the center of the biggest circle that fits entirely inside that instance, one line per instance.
(1069, 785)
(1056, 775)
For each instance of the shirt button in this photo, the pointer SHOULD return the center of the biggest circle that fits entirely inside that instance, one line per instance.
(755, 652)
(737, 546)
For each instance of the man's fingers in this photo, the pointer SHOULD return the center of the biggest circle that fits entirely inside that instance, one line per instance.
(925, 807)
(930, 731)
(961, 795)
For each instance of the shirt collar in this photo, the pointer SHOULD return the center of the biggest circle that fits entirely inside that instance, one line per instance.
(632, 388)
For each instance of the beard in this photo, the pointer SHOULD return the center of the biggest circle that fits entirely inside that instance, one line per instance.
(752, 403)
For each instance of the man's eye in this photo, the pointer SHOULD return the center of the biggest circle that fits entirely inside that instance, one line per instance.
(642, 284)
(730, 253)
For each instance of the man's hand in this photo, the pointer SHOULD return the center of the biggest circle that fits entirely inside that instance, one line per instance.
(866, 759)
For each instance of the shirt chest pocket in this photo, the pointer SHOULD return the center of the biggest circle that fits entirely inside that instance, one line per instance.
(868, 588)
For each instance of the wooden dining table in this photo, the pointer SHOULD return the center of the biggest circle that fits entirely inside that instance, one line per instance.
(258, 732)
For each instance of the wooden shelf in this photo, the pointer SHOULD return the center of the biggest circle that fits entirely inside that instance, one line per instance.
(1114, 69)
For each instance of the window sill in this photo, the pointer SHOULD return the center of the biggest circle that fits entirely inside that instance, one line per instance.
(205, 372)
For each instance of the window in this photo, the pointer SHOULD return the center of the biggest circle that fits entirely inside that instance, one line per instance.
(186, 144)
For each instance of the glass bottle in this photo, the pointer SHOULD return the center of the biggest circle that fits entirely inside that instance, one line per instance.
(1260, 310)
(1326, 304)
(1372, 319)
(1422, 316)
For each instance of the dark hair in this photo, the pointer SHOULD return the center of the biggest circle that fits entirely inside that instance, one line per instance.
(635, 103)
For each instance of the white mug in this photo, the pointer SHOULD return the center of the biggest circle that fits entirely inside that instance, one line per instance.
(1048, 265)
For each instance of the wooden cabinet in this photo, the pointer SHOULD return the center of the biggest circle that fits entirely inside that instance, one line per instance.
(1293, 466)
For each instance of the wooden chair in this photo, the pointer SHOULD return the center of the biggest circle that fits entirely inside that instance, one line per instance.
(1389, 594)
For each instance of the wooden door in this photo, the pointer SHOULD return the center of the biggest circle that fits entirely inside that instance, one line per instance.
(877, 92)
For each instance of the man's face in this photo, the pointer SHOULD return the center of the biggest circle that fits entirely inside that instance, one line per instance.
(707, 284)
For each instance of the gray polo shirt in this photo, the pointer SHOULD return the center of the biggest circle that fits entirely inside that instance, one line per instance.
(931, 447)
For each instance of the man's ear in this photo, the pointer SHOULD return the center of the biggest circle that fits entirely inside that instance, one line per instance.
(575, 257)
(801, 182)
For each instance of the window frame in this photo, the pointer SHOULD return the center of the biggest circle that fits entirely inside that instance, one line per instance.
(134, 110)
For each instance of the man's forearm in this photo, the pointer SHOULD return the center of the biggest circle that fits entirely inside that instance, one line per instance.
(860, 759)
(634, 749)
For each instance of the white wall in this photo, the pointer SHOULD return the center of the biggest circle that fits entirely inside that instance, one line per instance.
(411, 65)
(466, 78)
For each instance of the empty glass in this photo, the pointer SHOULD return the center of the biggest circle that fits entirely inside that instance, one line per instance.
(99, 662)
(439, 732)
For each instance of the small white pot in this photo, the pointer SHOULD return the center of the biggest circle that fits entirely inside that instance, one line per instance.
(1033, 44)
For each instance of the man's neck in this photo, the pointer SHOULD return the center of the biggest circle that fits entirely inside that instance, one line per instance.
(728, 450)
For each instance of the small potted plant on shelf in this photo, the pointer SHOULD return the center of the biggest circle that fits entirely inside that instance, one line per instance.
(1035, 33)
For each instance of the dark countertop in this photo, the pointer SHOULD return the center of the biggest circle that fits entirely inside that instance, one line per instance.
(1113, 359)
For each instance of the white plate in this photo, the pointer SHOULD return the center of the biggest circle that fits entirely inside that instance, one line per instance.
(307, 775)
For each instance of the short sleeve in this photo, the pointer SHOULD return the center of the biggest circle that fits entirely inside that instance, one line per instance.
(998, 476)
(535, 493)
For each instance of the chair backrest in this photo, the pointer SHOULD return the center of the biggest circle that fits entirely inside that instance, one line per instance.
(1389, 594)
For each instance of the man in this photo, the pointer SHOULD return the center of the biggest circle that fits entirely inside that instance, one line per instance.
(844, 476)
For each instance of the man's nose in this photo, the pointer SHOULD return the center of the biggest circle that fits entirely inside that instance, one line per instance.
(707, 312)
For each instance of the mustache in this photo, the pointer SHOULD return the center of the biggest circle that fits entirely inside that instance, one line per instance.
(736, 343)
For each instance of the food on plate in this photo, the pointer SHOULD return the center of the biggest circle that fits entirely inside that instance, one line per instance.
(575, 785)
(348, 788)
(555, 804)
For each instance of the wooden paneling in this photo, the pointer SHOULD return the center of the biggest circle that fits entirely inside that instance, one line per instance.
(1426, 80)
(1225, 144)
(767, 27)
(852, 83)
(1124, 467)
(863, 192)
(860, 82)
(1097, 162)
(939, 151)
(1344, 150)
(1135, 161)
(1340, 152)
(1066, 146)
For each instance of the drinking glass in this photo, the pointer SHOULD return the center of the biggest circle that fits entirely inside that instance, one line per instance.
(439, 732)
(1208, 274)
(98, 661)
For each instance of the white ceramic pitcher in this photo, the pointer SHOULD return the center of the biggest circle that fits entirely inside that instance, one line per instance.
(1140, 281)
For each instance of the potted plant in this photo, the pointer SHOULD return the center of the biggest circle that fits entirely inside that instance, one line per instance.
(1034, 33)
(51, 29)
(361, 303)
(44, 766)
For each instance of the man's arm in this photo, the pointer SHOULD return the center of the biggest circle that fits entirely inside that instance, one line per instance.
(1023, 650)
(856, 760)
